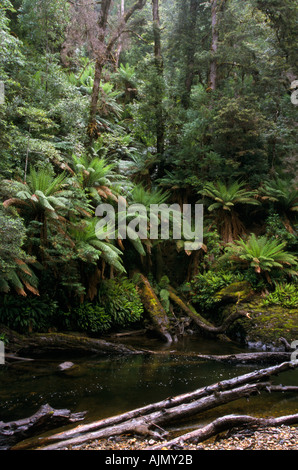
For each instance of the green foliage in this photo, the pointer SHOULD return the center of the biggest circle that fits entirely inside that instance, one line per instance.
(30, 314)
(262, 254)
(91, 318)
(121, 301)
(16, 270)
(226, 197)
(284, 295)
(282, 193)
(202, 289)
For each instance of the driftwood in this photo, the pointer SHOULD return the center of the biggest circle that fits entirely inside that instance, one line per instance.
(269, 357)
(151, 419)
(222, 424)
(46, 418)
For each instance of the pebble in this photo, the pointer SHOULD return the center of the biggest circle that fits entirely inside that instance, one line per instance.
(281, 438)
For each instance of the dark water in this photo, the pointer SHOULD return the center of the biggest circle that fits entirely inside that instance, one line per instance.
(105, 386)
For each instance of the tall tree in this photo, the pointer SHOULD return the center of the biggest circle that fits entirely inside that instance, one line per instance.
(217, 7)
(159, 65)
(104, 53)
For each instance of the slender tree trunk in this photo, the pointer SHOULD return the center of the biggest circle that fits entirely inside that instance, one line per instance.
(214, 43)
(100, 61)
(120, 43)
(190, 65)
(104, 54)
(160, 130)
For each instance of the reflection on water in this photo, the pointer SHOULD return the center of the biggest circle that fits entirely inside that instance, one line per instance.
(105, 386)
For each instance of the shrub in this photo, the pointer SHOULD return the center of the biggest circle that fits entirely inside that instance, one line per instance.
(121, 301)
(28, 314)
(284, 295)
(203, 287)
(91, 318)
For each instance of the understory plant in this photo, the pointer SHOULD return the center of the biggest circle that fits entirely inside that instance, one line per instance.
(203, 287)
(121, 301)
(31, 314)
(284, 295)
(265, 256)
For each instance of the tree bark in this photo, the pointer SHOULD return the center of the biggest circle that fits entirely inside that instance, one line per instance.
(160, 130)
(34, 343)
(45, 419)
(104, 55)
(147, 419)
(154, 309)
(214, 44)
(100, 61)
(222, 424)
(191, 49)
(270, 357)
(201, 322)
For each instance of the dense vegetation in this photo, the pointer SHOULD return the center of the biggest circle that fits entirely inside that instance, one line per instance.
(162, 101)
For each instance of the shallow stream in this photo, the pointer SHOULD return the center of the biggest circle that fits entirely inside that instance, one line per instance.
(107, 385)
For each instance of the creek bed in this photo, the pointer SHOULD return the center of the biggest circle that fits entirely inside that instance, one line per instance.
(108, 385)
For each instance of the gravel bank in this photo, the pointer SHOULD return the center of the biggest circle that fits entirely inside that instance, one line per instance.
(281, 438)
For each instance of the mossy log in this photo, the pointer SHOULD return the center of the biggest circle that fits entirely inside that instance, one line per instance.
(35, 343)
(201, 322)
(154, 309)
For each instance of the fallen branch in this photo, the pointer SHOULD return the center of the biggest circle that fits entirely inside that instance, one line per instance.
(142, 420)
(143, 425)
(201, 322)
(222, 424)
(270, 357)
(45, 419)
(19, 344)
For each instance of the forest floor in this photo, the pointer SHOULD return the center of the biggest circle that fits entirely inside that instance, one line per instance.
(275, 438)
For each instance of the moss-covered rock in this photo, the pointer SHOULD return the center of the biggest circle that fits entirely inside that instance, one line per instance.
(235, 292)
(266, 324)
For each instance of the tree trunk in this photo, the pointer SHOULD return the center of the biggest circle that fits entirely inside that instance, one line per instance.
(154, 309)
(214, 44)
(160, 130)
(33, 343)
(149, 419)
(190, 63)
(201, 322)
(100, 61)
(45, 419)
(223, 424)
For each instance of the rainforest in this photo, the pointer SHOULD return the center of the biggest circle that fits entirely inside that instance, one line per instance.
(125, 106)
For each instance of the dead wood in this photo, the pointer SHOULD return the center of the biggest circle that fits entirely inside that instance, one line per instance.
(171, 409)
(154, 309)
(201, 322)
(36, 343)
(222, 424)
(45, 419)
(145, 425)
(270, 357)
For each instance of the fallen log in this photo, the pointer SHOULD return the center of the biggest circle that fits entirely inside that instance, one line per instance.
(142, 420)
(38, 342)
(143, 425)
(154, 309)
(46, 418)
(201, 322)
(270, 357)
(222, 424)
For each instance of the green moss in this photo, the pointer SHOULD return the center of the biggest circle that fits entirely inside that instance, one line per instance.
(235, 292)
(266, 323)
